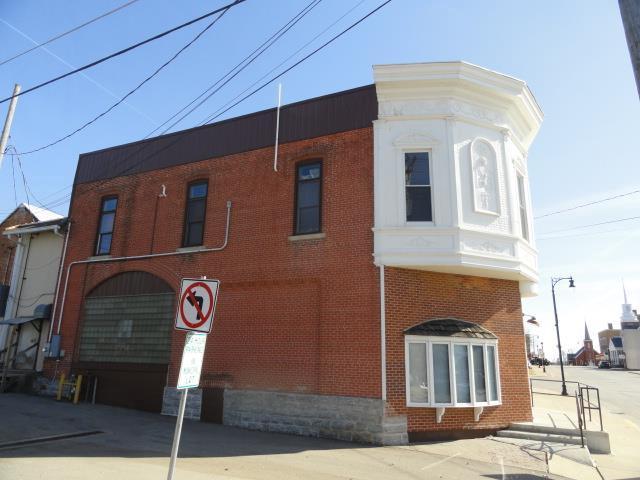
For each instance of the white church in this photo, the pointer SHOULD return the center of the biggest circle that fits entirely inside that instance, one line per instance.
(630, 334)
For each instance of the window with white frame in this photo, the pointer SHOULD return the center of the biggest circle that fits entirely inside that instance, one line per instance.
(452, 371)
(522, 203)
(417, 177)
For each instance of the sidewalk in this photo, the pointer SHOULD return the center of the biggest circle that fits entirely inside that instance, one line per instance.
(623, 461)
(136, 445)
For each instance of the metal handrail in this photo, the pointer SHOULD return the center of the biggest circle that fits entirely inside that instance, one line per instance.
(531, 379)
(581, 405)
(590, 406)
(579, 419)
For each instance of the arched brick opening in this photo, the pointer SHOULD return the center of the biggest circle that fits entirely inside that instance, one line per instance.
(125, 340)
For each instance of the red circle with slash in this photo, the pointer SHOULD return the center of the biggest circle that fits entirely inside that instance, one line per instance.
(189, 293)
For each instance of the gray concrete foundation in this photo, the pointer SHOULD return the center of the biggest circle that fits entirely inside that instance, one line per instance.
(343, 418)
(171, 402)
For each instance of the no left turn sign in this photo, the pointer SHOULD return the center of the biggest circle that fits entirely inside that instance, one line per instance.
(197, 304)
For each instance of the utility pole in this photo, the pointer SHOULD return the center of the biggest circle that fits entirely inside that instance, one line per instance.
(8, 121)
(630, 13)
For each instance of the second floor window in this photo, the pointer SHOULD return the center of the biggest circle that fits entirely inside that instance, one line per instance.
(195, 214)
(105, 226)
(308, 193)
(522, 201)
(417, 187)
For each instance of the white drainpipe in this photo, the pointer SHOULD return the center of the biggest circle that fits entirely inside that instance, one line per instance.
(137, 257)
(55, 299)
(383, 337)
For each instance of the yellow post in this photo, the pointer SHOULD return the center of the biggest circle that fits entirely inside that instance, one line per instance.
(77, 394)
(60, 386)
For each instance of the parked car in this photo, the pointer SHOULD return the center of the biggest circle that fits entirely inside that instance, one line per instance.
(539, 361)
(604, 364)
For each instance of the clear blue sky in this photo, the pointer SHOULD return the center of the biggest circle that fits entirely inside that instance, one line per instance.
(572, 54)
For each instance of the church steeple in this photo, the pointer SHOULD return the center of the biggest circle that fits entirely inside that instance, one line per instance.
(627, 319)
(586, 333)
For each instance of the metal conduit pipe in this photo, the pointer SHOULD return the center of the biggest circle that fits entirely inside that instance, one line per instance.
(139, 257)
(55, 298)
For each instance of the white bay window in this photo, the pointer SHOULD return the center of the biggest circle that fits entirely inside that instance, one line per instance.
(451, 363)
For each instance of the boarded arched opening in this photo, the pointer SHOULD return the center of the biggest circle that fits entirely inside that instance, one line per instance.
(125, 339)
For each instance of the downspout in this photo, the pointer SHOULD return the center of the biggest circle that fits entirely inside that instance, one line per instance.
(55, 299)
(138, 257)
(383, 339)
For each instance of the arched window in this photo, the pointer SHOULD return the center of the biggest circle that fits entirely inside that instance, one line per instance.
(128, 318)
(451, 363)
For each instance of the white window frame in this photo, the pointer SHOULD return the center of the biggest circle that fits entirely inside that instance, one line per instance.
(523, 202)
(451, 341)
(429, 152)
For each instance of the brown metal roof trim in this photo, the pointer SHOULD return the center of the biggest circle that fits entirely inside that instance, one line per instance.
(449, 327)
(326, 115)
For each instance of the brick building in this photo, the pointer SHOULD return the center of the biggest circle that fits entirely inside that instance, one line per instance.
(586, 355)
(370, 280)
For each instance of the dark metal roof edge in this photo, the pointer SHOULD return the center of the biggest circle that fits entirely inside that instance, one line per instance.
(227, 120)
(454, 319)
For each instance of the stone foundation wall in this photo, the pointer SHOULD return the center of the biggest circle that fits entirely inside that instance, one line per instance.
(171, 402)
(343, 418)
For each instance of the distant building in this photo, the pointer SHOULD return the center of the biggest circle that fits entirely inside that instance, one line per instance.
(605, 336)
(616, 352)
(25, 326)
(24, 213)
(631, 344)
(586, 355)
(630, 336)
(628, 319)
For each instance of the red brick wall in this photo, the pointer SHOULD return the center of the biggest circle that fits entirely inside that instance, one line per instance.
(291, 316)
(8, 245)
(412, 296)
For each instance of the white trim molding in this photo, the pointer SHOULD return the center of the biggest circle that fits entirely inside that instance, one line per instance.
(474, 124)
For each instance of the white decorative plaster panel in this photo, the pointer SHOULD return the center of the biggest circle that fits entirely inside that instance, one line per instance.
(484, 172)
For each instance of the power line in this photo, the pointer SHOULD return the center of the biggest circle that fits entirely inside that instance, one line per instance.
(266, 44)
(248, 60)
(131, 92)
(587, 204)
(586, 234)
(125, 50)
(283, 62)
(64, 34)
(179, 139)
(264, 85)
(83, 74)
(27, 189)
(592, 225)
(13, 174)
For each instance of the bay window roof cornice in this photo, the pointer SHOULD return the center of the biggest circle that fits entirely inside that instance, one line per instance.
(450, 327)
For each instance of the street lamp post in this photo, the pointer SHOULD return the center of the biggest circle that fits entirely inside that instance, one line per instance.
(554, 281)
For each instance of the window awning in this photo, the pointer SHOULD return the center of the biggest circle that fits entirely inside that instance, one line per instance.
(450, 327)
(41, 312)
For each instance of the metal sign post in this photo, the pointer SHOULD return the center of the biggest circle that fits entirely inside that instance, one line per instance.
(193, 353)
(176, 434)
(190, 369)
